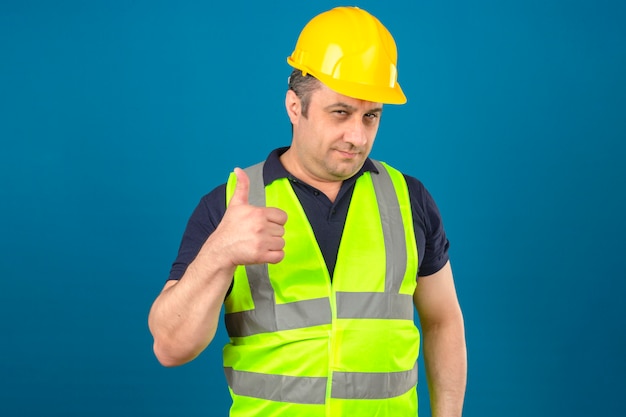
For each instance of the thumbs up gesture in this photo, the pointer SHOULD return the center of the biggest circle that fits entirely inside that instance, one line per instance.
(248, 234)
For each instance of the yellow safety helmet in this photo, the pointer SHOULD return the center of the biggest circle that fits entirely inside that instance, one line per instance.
(351, 52)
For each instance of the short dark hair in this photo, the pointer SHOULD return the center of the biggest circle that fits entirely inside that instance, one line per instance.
(303, 86)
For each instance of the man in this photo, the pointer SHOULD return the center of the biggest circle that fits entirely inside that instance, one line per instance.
(315, 254)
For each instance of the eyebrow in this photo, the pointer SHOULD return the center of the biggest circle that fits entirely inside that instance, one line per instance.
(351, 108)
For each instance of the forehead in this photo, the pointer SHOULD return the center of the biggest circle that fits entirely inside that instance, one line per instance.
(324, 96)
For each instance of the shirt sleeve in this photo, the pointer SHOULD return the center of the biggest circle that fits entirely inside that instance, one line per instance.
(203, 221)
(430, 235)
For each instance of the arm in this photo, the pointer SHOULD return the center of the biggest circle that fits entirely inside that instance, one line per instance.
(183, 319)
(443, 334)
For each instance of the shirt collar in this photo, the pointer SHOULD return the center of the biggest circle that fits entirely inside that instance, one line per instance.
(274, 169)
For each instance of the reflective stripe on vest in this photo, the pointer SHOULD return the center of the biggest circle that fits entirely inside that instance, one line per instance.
(381, 310)
(312, 390)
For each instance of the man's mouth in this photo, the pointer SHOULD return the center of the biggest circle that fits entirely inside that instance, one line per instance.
(349, 154)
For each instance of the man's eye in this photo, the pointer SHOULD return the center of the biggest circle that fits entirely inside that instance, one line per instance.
(370, 118)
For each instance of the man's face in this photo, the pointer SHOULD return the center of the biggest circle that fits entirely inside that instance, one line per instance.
(332, 143)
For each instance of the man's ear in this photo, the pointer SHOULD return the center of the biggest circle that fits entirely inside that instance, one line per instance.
(293, 106)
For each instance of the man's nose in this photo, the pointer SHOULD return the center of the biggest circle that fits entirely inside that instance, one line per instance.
(356, 133)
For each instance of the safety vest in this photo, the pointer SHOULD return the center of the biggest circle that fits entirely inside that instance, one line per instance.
(302, 345)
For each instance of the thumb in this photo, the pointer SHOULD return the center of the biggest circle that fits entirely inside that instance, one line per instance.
(240, 196)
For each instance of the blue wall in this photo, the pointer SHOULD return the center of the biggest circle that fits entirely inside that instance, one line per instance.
(116, 117)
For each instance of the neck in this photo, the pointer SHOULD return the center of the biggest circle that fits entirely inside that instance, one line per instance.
(329, 188)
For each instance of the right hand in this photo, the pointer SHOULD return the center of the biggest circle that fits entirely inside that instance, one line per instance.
(248, 234)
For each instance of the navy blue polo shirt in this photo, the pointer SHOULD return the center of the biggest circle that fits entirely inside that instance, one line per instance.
(326, 218)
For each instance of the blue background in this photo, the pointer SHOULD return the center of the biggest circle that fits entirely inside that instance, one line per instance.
(116, 117)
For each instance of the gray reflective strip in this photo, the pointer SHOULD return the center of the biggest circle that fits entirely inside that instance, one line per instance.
(367, 385)
(296, 315)
(256, 196)
(374, 305)
(312, 390)
(291, 389)
(393, 228)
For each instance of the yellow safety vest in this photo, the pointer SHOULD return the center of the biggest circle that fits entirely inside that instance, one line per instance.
(301, 345)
